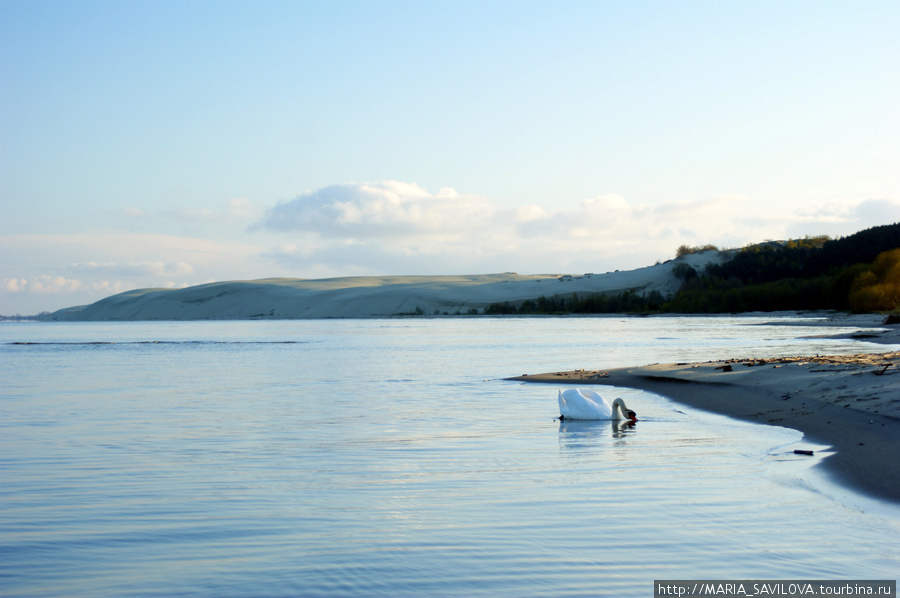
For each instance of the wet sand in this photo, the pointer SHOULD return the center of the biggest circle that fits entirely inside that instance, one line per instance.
(851, 402)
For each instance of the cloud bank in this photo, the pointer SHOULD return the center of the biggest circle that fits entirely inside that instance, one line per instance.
(394, 226)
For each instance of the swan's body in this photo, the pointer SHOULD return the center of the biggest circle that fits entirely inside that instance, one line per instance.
(580, 403)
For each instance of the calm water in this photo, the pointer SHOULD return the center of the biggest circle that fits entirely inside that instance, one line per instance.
(387, 457)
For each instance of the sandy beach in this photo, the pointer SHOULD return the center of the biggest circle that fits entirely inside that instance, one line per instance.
(851, 402)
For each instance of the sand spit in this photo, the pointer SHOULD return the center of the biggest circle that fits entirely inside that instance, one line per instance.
(851, 402)
(369, 296)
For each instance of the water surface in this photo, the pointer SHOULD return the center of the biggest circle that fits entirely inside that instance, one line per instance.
(388, 457)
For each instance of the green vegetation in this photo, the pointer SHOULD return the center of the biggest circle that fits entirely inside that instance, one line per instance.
(860, 273)
(877, 289)
(687, 249)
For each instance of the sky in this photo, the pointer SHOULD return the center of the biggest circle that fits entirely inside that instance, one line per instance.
(169, 143)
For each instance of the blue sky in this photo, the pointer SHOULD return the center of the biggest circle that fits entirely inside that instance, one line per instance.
(169, 143)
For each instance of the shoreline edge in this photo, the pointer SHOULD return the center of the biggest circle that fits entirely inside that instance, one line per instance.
(851, 402)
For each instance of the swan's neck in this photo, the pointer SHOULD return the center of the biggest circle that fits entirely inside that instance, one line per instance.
(617, 406)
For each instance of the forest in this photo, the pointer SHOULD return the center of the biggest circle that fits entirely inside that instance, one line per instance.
(859, 273)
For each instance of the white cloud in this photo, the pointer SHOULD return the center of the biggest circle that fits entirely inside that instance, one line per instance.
(383, 209)
(14, 285)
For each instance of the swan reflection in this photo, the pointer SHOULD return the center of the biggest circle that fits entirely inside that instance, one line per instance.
(582, 434)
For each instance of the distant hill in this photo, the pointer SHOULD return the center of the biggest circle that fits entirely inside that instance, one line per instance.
(366, 297)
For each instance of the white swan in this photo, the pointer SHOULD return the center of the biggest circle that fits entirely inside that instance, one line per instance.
(580, 403)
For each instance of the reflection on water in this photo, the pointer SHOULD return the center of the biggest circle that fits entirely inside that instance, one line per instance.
(587, 434)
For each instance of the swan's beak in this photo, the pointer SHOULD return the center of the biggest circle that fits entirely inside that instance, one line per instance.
(632, 416)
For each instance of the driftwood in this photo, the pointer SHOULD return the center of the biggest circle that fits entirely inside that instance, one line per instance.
(883, 370)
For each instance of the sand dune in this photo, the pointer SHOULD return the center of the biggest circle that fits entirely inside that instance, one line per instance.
(365, 297)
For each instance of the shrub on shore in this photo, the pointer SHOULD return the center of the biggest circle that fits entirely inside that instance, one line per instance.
(877, 289)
